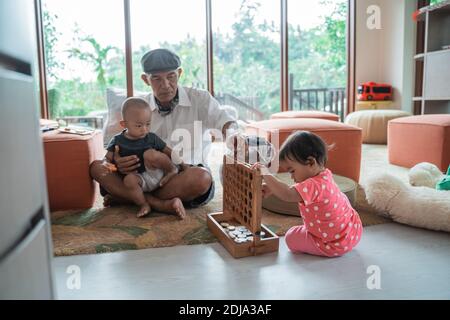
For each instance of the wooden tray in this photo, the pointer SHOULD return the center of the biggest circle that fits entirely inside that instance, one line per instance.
(269, 243)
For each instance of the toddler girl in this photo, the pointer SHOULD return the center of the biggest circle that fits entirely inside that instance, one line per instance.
(331, 226)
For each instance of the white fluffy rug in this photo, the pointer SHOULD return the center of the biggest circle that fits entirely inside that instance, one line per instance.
(416, 206)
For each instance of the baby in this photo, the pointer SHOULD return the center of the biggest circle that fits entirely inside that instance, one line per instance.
(331, 226)
(156, 167)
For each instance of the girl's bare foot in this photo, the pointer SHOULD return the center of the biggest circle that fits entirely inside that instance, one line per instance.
(178, 208)
(145, 209)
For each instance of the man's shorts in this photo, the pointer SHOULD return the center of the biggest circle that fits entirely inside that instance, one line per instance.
(194, 203)
(204, 198)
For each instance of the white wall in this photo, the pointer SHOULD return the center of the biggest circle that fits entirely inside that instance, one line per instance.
(409, 40)
(386, 54)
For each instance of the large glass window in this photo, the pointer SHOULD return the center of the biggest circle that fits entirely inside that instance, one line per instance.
(173, 24)
(246, 37)
(84, 48)
(317, 55)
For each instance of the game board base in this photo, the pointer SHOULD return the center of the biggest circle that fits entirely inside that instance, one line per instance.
(269, 243)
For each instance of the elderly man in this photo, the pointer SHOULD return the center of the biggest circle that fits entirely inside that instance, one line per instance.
(177, 112)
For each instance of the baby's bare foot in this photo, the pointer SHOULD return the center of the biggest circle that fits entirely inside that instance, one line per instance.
(178, 208)
(145, 209)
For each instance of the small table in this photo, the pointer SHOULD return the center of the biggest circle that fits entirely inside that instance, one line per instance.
(95, 122)
(374, 105)
(272, 203)
(67, 160)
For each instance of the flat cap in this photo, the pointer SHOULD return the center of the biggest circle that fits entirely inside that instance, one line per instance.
(159, 60)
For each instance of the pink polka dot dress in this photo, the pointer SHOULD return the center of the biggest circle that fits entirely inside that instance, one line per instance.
(331, 226)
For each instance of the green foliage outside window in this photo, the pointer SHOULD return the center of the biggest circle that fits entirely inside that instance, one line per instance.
(246, 63)
(433, 2)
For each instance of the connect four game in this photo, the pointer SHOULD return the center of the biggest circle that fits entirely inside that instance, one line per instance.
(239, 227)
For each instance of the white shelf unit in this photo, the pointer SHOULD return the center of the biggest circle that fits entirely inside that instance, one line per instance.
(435, 97)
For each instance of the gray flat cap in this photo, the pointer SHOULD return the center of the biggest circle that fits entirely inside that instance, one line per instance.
(160, 60)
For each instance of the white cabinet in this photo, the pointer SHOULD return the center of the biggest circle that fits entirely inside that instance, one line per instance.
(435, 97)
(437, 75)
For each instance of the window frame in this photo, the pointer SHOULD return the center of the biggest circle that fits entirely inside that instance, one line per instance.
(284, 71)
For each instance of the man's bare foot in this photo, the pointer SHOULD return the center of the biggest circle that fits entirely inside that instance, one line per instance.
(178, 208)
(145, 209)
(167, 177)
(174, 205)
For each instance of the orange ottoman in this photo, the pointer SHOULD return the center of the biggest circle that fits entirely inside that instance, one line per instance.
(305, 114)
(344, 159)
(415, 139)
(67, 160)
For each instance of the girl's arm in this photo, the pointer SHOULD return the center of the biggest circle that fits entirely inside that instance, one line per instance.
(281, 190)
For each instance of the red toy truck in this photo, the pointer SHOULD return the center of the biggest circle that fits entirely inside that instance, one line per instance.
(374, 91)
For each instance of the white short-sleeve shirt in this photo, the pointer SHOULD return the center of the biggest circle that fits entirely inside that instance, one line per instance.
(187, 128)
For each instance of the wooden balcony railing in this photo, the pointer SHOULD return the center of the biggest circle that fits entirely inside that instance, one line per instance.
(322, 99)
(245, 111)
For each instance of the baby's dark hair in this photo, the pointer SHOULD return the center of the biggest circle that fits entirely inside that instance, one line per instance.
(301, 145)
(133, 102)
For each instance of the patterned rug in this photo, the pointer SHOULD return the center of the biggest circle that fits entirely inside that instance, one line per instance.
(99, 229)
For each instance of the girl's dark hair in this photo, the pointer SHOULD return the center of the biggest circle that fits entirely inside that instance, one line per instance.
(301, 145)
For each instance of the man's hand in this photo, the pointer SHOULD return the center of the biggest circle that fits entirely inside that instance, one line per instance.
(109, 166)
(126, 165)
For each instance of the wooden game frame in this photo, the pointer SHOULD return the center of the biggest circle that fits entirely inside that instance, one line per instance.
(242, 205)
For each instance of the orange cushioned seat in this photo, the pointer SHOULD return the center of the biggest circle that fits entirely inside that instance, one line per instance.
(424, 138)
(67, 160)
(343, 159)
(305, 114)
